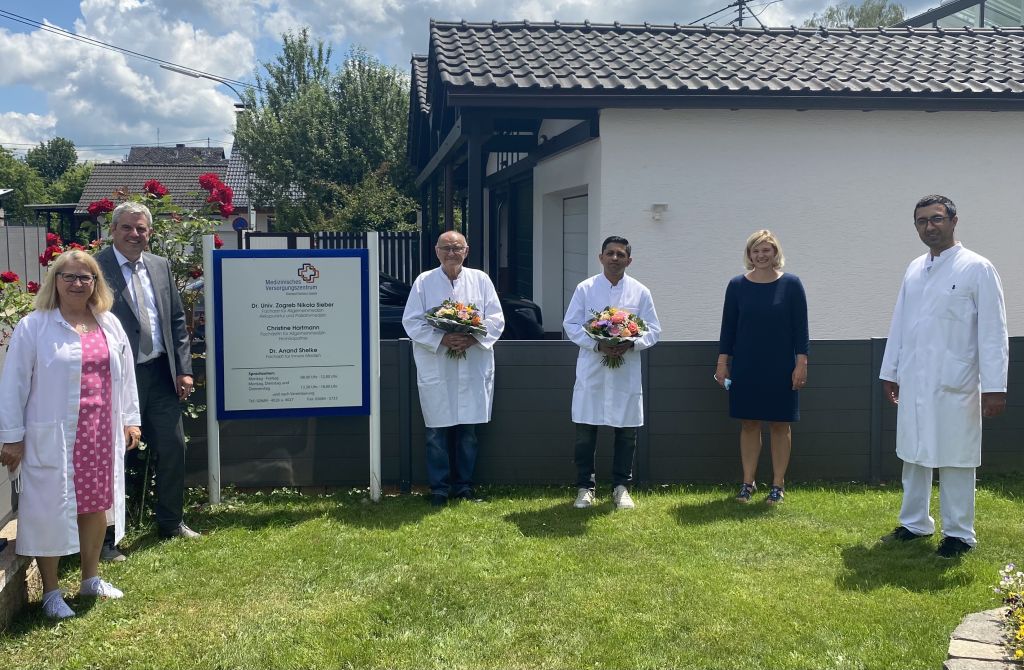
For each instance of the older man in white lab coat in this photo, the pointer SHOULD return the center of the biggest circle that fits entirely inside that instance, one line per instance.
(455, 393)
(944, 368)
(603, 395)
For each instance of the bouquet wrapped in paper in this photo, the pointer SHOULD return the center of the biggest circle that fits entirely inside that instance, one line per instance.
(614, 326)
(456, 317)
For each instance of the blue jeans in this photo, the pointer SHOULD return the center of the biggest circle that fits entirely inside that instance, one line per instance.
(463, 459)
(622, 460)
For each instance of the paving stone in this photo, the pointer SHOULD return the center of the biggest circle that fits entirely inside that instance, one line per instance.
(975, 664)
(978, 650)
(988, 627)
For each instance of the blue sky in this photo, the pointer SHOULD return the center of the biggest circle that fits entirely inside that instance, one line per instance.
(105, 101)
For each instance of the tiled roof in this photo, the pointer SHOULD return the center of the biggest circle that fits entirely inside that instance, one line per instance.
(237, 177)
(176, 155)
(419, 82)
(182, 181)
(590, 59)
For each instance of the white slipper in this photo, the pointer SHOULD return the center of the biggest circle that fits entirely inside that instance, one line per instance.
(54, 605)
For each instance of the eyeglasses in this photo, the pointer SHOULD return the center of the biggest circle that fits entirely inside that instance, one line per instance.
(70, 277)
(457, 249)
(934, 220)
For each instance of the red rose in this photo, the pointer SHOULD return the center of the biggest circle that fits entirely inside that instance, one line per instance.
(33, 287)
(155, 188)
(227, 210)
(49, 254)
(75, 245)
(100, 207)
(209, 180)
(217, 242)
(52, 238)
(8, 277)
(195, 273)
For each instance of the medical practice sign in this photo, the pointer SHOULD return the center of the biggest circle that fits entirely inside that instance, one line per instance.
(292, 333)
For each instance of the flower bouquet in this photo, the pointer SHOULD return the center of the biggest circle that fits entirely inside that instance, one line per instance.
(456, 317)
(614, 326)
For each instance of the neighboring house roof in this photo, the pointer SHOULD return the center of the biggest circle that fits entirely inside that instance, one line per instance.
(584, 64)
(239, 179)
(176, 155)
(182, 181)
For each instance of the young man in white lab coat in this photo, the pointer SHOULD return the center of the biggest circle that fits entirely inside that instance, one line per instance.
(944, 368)
(603, 395)
(455, 393)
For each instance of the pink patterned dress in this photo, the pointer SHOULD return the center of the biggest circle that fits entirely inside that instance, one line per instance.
(93, 456)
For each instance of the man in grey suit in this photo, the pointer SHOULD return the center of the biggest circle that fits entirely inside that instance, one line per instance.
(148, 305)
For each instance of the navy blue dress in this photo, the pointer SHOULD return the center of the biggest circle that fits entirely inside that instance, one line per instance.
(764, 327)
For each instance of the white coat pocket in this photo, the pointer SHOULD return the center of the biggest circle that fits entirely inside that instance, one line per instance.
(956, 306)
(44, 445)
(957, 375)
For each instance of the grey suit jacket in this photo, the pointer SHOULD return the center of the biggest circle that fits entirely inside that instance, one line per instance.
(174, 335)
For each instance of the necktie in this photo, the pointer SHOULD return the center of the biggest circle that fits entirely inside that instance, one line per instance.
(146, 334)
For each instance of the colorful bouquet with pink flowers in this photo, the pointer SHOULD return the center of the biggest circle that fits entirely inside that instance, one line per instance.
(614, 326)
(456, 317)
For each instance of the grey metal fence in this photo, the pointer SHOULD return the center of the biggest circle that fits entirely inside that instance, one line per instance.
(846, 432)
(20, 248)
(399, 251)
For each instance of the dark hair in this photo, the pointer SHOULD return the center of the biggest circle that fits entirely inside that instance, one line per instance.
(615, 239)
(936, 200)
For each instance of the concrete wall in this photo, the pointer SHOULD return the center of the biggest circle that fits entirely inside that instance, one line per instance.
(847, 431)
(838, 187)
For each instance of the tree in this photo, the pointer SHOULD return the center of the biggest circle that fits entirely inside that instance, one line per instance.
(52, 158)
(27, 184)
(70, 185)
(868, 14)
(324, 132)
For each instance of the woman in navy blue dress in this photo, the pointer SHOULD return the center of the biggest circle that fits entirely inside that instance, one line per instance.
(763, 351)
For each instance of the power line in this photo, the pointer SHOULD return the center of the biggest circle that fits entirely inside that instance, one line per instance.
(113, 47)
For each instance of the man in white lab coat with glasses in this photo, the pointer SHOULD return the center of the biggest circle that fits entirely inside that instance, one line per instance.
(944, 368)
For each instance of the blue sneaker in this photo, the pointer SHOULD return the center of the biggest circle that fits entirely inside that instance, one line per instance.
(775, 495)
(746, 491)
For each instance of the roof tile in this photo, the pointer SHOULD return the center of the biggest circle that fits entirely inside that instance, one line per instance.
(504, 57)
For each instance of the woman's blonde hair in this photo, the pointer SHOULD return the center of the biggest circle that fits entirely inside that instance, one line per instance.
(760, 237)
(101, 299)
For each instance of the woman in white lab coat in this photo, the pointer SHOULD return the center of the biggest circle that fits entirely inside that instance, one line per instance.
(68, 410)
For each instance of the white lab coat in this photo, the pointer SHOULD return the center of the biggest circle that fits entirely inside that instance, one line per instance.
(453, 391)
(39, 401)
(603, 396)
(947, 345)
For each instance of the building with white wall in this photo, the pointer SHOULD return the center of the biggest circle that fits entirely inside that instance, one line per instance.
(685, 139)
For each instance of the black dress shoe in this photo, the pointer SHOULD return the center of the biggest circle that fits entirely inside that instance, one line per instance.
(438, 500)
(181, 530)
(952, 547)
(470, 495)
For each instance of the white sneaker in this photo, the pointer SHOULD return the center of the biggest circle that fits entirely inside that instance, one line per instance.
(95, 586)
(622, 498)
(55, 607)
(584, 499)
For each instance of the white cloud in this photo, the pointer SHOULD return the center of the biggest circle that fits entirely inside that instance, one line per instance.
(18, 128)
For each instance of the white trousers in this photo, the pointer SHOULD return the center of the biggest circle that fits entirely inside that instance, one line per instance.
(956, 501)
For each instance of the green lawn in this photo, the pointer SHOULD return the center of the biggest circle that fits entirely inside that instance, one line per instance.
(689, 579)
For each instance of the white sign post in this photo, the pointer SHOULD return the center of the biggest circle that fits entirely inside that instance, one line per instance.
(212, 425)
(373, 248)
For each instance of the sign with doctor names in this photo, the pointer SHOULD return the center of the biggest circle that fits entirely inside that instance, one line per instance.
(293, 333)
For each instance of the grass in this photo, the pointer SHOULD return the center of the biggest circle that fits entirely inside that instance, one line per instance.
(690, 579)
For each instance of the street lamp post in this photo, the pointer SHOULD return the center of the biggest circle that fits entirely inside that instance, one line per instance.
(202, 75)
